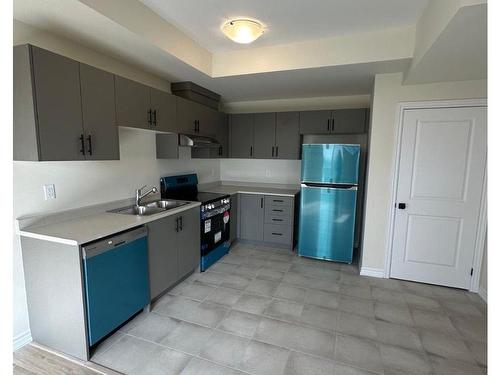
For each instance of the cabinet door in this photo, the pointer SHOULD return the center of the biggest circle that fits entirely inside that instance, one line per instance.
(132, 104)
(58, 103)
(287, 136)
(164, 111)
(207, 121)
(264, 132)
(251, 208)
(187, 115)
(315, 122)
(98, 110)
(163, 262)
(241, 136)
(223, 134)
(349, 121)
(233, 218)
(188, 241)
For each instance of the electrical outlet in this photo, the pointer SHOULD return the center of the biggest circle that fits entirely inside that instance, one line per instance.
(268, 173)
(49, 191)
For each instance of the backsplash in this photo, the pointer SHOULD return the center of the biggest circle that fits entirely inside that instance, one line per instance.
(260, 170)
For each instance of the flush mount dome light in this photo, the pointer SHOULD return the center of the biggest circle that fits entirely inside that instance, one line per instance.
(242, 30)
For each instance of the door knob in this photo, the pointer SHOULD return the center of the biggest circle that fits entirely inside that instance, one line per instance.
(402, 206)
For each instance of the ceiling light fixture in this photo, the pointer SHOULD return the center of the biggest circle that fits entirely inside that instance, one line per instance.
(243, 31)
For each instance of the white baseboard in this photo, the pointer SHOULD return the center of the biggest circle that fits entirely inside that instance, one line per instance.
(21, 340)
(373, 272)
(483, 294)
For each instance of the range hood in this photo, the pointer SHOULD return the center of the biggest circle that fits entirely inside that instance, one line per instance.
(197, 141)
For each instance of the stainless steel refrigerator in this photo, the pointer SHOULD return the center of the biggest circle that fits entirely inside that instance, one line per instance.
(329, 184)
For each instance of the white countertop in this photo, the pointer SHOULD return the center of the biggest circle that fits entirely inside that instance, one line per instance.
(78, 230)
(82, 225)
(253, 188)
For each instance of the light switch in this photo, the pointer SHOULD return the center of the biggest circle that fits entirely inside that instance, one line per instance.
(49, 191)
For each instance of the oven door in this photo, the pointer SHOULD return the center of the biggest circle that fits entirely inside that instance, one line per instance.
(214, 230)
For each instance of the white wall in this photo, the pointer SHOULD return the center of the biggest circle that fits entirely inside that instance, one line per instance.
(83, 183)
(387, 92)
(260, 170)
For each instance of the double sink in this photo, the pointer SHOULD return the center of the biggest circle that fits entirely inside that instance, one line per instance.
(150, 208)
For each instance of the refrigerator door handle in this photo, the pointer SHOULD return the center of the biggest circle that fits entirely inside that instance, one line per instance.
(327, 187)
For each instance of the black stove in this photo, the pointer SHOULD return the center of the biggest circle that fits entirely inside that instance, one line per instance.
(214, 215)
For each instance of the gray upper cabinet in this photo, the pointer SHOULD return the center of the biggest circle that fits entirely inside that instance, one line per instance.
(338, 121)
(132, 104)
(251, 211)
(264, 127)
(241, 135)
(315, 122)
(98, 112)
(47, 106)
(348, 121)
(163, 107)
(188, 241)
(59, 110)
(162, 249)
(195, 118)
(63, 110)
(223, 134)
(287, 136)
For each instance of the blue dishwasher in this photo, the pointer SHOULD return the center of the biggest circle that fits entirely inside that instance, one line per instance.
(116, 280)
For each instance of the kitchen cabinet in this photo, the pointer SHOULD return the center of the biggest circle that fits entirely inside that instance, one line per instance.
(163, 106)
(188, 241)
(98, 112)
(195, 118)
(287, 144)
(163, 255)
(144, 107)
(264, 132)
(222, 134)
(241, 135)
(174, 249)
(63, 110)
(132, 104)
(251, 217)
(339, 121)
(266, 218)
(233, 224)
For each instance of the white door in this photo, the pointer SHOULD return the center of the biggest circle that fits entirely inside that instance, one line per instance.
(441, 171)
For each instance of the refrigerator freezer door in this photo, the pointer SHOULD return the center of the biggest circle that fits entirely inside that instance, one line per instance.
(326, 226)
(330, 163)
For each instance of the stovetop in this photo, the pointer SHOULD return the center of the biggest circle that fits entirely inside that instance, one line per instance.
(185, 187)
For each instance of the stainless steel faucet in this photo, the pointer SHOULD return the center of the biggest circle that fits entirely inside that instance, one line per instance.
(139, 194)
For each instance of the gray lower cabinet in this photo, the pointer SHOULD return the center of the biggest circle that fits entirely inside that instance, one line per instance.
(188, 241)
(241, 135)
(98, 112)
(264, 133)
(174, 249)
(287, 136)
(266, 218)
(251, 215)
(233, 225)
(162, 247)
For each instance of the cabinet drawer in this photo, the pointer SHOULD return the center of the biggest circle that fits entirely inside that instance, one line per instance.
(281, 234)
(277, 200)
(279, 211)
(276, 219)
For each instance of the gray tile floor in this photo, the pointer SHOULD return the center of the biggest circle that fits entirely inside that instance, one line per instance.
(266, 311)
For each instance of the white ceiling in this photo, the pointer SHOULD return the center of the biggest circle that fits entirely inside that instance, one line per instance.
(287, 21)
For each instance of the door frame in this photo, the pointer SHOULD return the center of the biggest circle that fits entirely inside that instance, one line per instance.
(482, 220)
